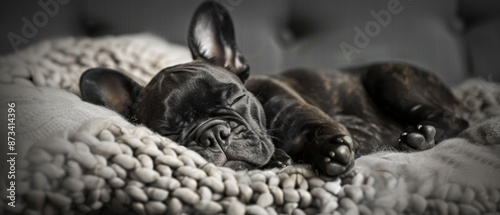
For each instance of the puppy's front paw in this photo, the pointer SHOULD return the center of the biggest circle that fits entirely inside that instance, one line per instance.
(335, 156)
(417, 138)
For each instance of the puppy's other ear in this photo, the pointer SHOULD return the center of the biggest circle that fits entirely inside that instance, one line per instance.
(110, 88)
(211, 38)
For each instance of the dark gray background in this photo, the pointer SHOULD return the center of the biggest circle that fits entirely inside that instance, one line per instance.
(455, 39)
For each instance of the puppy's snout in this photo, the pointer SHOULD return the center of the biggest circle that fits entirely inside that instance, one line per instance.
(217, 135)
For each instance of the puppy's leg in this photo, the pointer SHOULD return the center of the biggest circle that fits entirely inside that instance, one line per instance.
(302, 130)
(417, 99)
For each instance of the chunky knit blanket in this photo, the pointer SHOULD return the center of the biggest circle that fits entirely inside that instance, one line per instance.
(74, 157)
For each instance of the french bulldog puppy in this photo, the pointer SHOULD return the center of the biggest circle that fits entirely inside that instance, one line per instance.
(323, 118)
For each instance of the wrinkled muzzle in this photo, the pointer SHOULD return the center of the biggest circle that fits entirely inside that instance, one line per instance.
(232, 144)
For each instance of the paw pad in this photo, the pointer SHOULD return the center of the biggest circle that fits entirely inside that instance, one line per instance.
(417, 138)
(336, 156)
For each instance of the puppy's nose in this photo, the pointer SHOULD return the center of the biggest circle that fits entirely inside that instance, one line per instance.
(215, 136)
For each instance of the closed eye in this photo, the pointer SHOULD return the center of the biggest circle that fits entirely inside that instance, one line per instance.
(237, 99)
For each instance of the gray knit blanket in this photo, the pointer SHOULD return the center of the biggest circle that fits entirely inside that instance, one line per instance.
(75, 158)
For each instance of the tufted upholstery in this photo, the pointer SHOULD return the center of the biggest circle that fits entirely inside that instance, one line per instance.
(453, 38)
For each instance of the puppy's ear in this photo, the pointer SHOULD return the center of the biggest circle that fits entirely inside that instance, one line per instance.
(211, 38)
(110, 88)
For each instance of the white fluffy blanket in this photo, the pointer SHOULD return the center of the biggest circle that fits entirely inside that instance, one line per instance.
(76, 157)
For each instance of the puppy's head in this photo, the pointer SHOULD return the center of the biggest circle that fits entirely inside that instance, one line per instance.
(202, 105)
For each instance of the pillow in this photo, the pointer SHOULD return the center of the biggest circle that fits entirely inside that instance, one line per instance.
(41, 112)
(60, 62)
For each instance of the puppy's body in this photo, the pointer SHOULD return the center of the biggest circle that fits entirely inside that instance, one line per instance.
(320, 117)
(350, 98)
(375, 104)
(340, 94)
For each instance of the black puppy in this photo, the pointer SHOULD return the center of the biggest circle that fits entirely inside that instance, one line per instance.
(321, 118)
